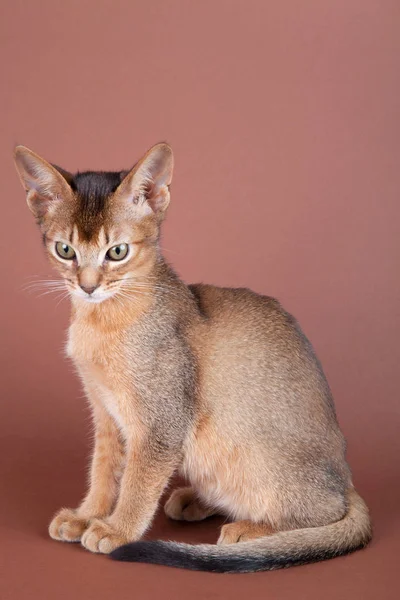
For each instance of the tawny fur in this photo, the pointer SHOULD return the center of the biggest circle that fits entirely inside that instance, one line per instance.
(218, 384)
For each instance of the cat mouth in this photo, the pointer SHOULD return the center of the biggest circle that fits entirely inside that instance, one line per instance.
(94, 298)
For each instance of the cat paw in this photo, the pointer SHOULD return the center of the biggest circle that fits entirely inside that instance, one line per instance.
(101, 537)
(66, 526)
(183, 505)
(243, 531)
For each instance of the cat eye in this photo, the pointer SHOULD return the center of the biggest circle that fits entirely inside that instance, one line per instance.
(65, 251)
(117, 252)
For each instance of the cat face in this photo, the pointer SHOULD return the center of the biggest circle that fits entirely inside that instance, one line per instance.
(100, 229)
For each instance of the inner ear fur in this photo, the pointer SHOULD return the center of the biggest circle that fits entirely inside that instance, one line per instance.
(43, 182)
(147, 183)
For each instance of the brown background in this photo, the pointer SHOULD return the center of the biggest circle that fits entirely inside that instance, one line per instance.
(284, 117)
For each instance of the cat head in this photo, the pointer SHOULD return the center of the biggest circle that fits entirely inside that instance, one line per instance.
(100, 229)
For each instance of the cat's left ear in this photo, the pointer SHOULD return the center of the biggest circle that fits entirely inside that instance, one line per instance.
(43, 182)
(147, 184)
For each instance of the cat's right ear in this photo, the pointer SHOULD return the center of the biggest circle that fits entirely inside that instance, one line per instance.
(43, 182)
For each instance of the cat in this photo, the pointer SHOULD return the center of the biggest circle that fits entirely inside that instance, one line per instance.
(218, 384)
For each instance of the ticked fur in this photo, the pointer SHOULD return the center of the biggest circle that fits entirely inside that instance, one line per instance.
(219, 384)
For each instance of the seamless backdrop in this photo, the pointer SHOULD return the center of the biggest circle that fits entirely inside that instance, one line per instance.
(284, 118)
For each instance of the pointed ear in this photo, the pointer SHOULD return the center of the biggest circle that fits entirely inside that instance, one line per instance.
(43, 182)
(147, 184)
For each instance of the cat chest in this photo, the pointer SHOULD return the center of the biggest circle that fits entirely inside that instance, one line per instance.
(114, 403)
(107, 374)
(88, 345)
(115, 390)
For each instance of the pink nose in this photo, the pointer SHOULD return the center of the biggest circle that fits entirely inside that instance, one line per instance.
(89, 289)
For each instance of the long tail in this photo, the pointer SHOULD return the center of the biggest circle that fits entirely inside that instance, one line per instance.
(281, 550)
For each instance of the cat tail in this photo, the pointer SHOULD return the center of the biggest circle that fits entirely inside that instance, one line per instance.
(277, 551)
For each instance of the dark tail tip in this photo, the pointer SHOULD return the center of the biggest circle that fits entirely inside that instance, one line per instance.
(184, 556)
(158, 553)
(134, 552)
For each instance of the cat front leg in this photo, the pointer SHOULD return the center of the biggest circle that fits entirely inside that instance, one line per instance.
(68, 525)
(149, 466)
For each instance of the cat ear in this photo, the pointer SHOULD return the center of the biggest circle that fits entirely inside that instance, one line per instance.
(147, 184)
(43, 182)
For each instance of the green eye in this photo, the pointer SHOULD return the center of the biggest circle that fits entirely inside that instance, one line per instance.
(65, 251)
(118, 252)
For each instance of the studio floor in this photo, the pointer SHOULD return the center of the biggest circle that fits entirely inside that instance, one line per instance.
(43, 473)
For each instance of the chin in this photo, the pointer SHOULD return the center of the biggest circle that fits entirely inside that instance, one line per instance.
(98, 300)
(93, 299)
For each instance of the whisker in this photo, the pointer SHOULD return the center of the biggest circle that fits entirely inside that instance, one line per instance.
(61, 298)
(51, 291)
(120, 297)
(44, 284)
(135, 284)
(168, 250)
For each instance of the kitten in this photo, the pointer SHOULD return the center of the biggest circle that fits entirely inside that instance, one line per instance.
(218, 384)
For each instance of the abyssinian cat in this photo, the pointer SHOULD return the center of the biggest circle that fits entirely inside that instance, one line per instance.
(218, 384)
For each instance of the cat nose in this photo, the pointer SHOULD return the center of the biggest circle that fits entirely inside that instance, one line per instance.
(89, 289)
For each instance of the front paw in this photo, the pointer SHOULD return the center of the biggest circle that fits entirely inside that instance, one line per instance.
(102, 537)
(66, 526)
